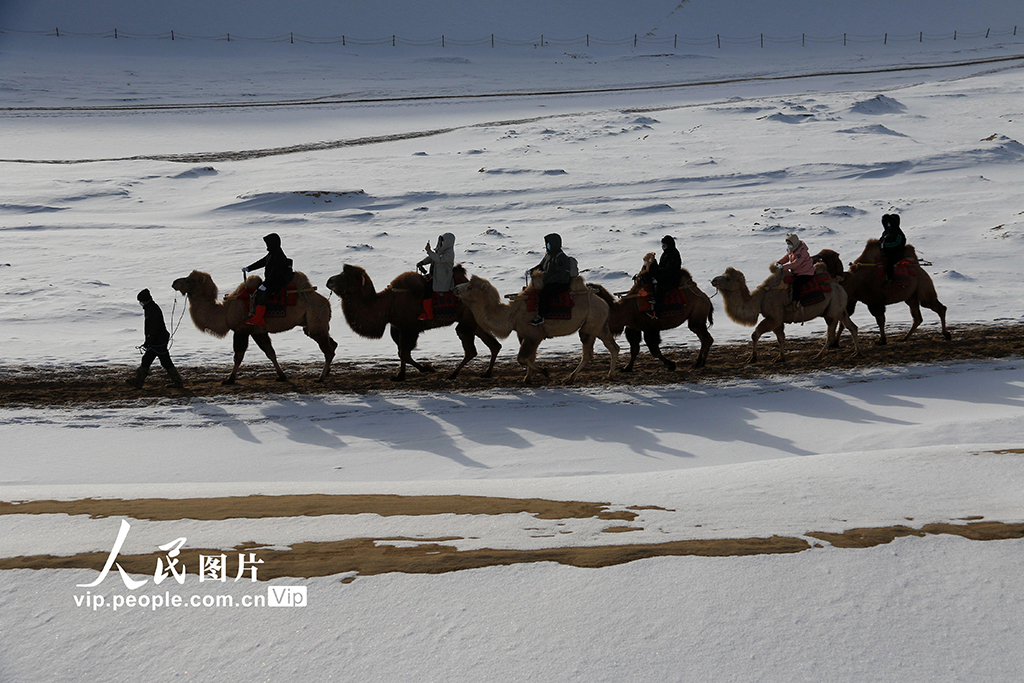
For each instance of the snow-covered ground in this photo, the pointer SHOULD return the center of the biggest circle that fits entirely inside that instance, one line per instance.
(126, 164)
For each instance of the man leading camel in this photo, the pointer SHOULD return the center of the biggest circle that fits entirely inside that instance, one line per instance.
(556, 268)
(277, 272)
(155, 345)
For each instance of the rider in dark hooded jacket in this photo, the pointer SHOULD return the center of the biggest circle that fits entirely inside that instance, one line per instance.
(666, 273)
(555, 266)
(277, 273)
(893, 242)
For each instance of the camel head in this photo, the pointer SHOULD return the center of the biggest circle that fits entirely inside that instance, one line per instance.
(477, 289)
(198, 285)
(350, 280)
(833, 264)
(729, 281)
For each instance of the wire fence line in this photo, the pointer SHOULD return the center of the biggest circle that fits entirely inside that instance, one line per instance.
(719, 41)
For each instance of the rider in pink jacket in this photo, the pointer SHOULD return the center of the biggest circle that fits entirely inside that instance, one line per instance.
(797, 261)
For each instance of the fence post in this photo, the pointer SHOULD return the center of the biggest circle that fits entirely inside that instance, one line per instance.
(392, 40)
(844, 39)
(542, 40)
(492, 40)
(291, 38)
(921, 39)
(987, 31)
(442, 40)
(58, 31)
(954, 35)
(229, 37)
(803, 40)
(885, 40)
(762, 40)
(675, 41)
(115, 34)
(719, 40)
(588, 40)
(634, 40)
(172, 35)
(343, 40)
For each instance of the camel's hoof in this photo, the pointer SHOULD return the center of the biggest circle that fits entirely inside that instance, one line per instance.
(670, 366)
(628, 368)
(398, 378)
(427, 368)
(485, 375)
(947, 336)
(227, 382)
(451, 375)
(780, 359)
(280, 378)
(882, 342)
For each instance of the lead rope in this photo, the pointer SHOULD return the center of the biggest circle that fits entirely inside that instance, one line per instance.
(175, 326)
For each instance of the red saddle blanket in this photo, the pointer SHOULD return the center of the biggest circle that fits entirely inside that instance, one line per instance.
(443, 306)
(559, 309)
(673, 303)
(813, 291)
(901, 271)
(277, 304)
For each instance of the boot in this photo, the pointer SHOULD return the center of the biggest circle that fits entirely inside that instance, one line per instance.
(175, 382)
(257, 317)
(136, 381)
(428, 309)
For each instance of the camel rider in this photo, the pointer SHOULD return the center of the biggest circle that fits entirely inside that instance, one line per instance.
(277, 273)
(797, 261)
(666, 273)
(894, 244)
(440, 277)
(155, 345)
(556, 268)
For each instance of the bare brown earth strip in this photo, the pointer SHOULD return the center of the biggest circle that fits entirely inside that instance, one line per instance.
(367, 557)
(866, 538)
(312, 505)
(104, 385)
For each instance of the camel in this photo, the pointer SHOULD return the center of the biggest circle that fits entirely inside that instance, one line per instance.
(369, 312)
(625, 314)
(312, 311)
(866, 282)
(589, 318)
(769, 301)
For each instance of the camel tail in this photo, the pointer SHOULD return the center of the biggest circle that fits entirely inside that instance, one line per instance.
(711, 314)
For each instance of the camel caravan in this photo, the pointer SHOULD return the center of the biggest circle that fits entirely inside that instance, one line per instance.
(556, 302)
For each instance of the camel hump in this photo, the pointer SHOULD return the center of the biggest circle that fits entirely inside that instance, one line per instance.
(577, 284)
(301, 281)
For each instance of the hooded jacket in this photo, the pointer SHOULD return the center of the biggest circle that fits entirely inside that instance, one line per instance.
(555, 263)
(157, 336)
(892, 236)
(669, 270)
(441, 263)
(798, 261)
(277, 267)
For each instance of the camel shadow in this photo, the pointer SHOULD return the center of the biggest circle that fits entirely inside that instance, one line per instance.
(217, 415)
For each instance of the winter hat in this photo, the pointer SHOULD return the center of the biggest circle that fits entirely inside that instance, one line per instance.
(792, 242)
(144, 296)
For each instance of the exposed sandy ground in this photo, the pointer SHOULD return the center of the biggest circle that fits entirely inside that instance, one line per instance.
(68, 386)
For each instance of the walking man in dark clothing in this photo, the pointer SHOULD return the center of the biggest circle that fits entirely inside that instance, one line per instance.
(555, 266)
(155, 345)
(277, 273)
(894, 244)
(666, 273)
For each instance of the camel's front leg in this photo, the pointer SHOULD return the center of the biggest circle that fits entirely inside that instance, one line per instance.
(634, 337)
(830, 335)
(588, 355)
(879, 313)
(527, 358)
(240, 341)
(849, 324)
(653, 340)
(766, 325)
(263, 341)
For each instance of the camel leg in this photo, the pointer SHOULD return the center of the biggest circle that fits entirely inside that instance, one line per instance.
(699, 327)
(830, 334)
(879, 313)
(934, 304)
(633, 336)
(240, 341)
(405, 340)
(263, 341)
(780, 334)
(588, 355)
(493, 345)
(468, 338)
(328, 346)
(846, 322)
(915, 315)
(527, 358)
(653, 340)
(764, 326)
(608, 339)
